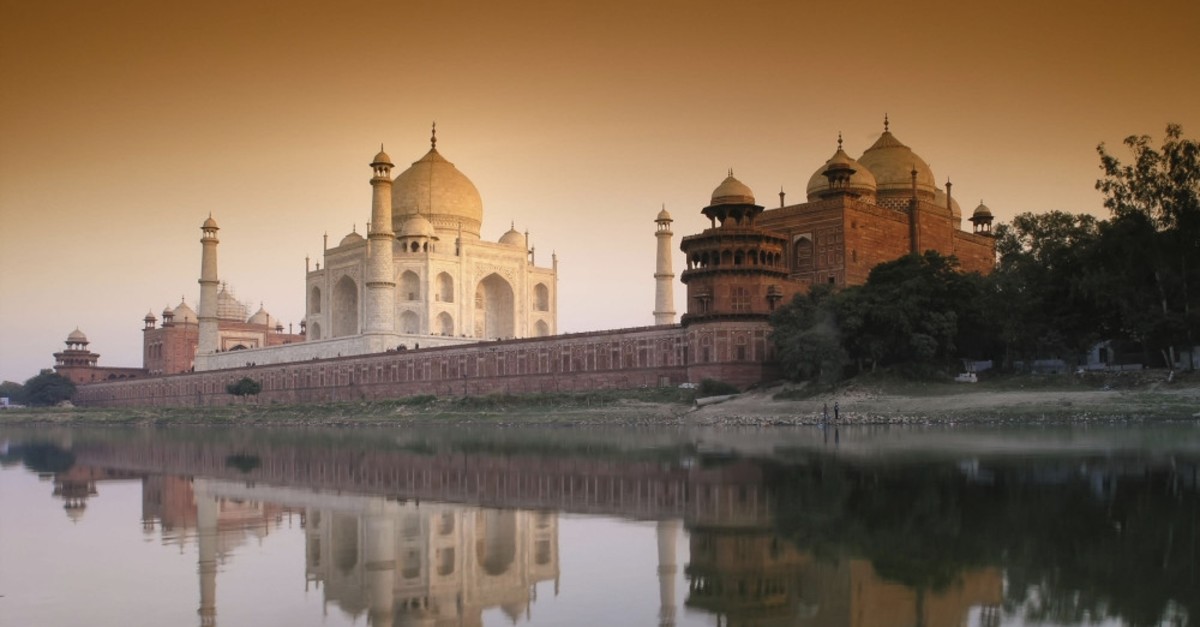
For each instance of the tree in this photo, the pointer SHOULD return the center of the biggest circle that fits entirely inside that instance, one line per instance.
(912, 310)
(1037, 294)
(244, 387)
(48, 388)
(807, 338)
(15, 392)
(1163, 187)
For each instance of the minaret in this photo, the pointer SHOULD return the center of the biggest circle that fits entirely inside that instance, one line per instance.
(207, 510)
(664, 276)
(381, 286)
(667, 531)
(379, 546)
(209, 284)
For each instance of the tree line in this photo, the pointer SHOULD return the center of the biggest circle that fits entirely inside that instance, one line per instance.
(1062, 283)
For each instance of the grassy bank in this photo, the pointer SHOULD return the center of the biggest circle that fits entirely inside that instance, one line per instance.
(872, 399)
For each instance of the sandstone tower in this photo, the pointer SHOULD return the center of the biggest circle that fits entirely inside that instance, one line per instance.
(664, 276)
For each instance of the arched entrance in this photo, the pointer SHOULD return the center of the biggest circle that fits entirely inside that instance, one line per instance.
(494, 308)
(345, 307)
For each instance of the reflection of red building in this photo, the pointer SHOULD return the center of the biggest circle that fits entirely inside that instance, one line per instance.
(751, 577)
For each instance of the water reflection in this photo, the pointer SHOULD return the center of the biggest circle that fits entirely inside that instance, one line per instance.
(438, 529)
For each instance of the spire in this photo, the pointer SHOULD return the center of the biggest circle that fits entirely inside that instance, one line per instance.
(885, 122)
(433, 137)
(839, 140)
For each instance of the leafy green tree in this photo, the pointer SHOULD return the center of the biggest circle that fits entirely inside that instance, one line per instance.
(48, 388)
(1037, 295)
(1162, 187)
(913, 310)
(15, 392)
(807, 338)
(244, 387)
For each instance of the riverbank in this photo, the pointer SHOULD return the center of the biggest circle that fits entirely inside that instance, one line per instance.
(882, 400)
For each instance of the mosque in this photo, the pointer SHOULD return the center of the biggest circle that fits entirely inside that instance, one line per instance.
(423, 278)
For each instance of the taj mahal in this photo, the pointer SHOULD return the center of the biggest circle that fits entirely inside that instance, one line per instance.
(421, 304)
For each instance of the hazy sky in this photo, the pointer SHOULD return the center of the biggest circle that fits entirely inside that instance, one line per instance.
(123, 124)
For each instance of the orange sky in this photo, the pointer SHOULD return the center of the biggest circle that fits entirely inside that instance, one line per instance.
(123, 124)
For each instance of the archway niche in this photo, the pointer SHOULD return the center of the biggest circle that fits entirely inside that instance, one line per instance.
(541, 329)
(410, 286)
(541, 297)
(410, 322)
(345, 307)
(314, 331)
(314, 300)
(445, 288)
(494, 308)
(445, 324)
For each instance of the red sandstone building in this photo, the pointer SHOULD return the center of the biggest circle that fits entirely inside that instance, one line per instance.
(858, 214)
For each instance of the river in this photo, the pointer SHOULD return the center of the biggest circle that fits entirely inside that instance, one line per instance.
(862, 527)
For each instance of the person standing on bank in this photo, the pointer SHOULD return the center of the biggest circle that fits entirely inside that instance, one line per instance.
(835, 411)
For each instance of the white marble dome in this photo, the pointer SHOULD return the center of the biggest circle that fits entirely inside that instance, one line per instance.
(434, 188)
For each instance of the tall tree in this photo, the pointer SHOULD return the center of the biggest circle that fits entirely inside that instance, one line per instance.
(1038, 299)
(1163, 187)
(48, 388)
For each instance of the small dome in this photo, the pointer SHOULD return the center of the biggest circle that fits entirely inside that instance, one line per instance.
(417, 226)
(150, 317)
(210, 223)
(228, 307)
(167, 312)
(982, 211)
(663, 215)
(185, 314)
(77, 337)
(513, 237)
(260, 317)
(939, 199)
(892, 163)
(862, 181)
(381, 158)
(351, 238)
(732, 192)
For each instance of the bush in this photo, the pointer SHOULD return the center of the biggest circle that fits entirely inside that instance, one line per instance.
(712, 387)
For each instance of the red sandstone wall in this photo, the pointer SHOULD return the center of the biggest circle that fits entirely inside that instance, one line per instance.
(737, 352)
(976, 253)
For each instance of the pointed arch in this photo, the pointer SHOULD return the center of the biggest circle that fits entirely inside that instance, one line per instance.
(541, 329)
(494, 308)
(445, 287)
(410, 286)
(345, 307)
(541, 297)
(445, 324)
(410, 322)
(314, 300)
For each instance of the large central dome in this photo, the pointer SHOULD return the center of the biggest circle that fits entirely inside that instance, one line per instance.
(434, 188)
(893, 163)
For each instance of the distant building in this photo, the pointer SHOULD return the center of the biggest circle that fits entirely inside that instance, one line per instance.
(80, 365)
(859, 214)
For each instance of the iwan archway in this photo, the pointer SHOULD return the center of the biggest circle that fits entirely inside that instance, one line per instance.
(494, 308)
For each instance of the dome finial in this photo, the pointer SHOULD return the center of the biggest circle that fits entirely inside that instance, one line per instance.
(730, 171)
(839, 140)
(885, 122)
(433, 136)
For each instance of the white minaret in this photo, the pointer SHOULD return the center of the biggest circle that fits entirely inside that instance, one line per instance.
(664, 276)
(207, 511)
(379, 545)
(208, 340)
(668, 530)
(380, 303)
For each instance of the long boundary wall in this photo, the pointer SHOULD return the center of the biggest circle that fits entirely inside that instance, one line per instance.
(738, 352)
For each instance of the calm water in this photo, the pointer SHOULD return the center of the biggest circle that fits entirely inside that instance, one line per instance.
(863, 528)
